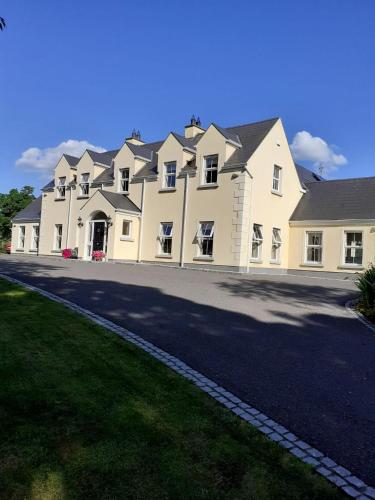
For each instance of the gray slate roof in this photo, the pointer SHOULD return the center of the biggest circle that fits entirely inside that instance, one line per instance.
(104, 158)
(305, 175)
(228, 134)
(31, 212)
(49, 186)
(251, 136)
(72, 160)
(120, 201)
(341, 199)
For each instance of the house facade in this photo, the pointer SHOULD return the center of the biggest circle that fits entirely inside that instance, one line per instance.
(215, 198)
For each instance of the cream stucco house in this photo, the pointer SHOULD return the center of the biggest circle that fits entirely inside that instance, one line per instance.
(215, 198)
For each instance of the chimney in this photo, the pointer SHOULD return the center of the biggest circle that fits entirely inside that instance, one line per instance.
(135, 138)
(194, 128)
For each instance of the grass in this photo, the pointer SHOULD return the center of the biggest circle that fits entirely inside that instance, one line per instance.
(84, 415)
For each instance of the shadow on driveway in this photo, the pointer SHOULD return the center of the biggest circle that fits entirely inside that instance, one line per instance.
(314, 373)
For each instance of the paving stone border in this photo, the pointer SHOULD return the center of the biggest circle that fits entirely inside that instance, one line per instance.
(353, 486)
(350, 307)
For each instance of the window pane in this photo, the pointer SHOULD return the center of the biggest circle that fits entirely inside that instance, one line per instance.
(126, 228)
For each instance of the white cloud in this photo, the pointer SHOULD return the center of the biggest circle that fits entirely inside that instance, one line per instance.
(306, 147)
(45, 160)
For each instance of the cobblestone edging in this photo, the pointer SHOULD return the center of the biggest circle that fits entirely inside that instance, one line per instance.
(350, 307)
(336, 474)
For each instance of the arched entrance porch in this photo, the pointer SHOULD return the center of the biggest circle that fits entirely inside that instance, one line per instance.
(96, 233)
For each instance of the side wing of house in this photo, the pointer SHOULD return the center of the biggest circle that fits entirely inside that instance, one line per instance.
(25, 229)
(333, 227)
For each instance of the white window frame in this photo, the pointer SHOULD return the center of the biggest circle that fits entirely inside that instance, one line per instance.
(345, 246)
(61, 188)
(127, 236)
(163, 237)
(124, 180)
(257, 242)
(209, 169)
(276, 244)
(34, 237)
(21, 237)
(314, 246)
(203, 236)
(58, 236)
(84, 185)
(170, 175)
(277, 179)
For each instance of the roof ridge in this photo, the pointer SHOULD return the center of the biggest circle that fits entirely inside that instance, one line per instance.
(253, 123)
(343, 180)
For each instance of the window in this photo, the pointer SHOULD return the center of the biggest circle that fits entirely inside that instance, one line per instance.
(126, 228)
(257, 242)
(124, 180)
(35, 238)
(61, 187)
(276, 180)
(276, 245)
(314, 247)
(165, 238)
(58, 236)
(353, 248)
(21, 237)
(206, 238)
(84, 185)
(210, 169)
(170, 174)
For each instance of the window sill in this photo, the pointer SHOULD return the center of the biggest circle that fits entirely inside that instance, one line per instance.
(204, 258)
(60, 199)
(311, 264)
(208, 186)
(163, 256)
(359, 267)
(275, 262)
(256, 261)
(20, 250)
(277, 193)
(126, 238)
(33, 250)
(167, 190)
(83, 197)
(56, 251)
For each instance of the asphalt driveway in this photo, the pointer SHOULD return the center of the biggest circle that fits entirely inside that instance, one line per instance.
(284, 344)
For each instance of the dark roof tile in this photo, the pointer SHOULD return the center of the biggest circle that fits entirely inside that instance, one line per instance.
(343, 199)
(31, 212)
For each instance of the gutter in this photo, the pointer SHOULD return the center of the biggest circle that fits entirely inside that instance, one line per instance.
(139, 257)
(183, 225)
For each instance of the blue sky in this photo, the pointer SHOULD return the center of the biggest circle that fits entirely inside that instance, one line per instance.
(91, 71)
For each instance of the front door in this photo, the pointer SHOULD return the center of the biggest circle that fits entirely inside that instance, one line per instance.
(98, 236)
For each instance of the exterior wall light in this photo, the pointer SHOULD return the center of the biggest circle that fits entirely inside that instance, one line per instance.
(109, 221)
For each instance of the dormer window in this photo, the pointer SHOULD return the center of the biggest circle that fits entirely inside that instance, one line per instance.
(276, 179)
(61, 187)
(170, 175)
(210, 169)
(84, 186)
(124, 180)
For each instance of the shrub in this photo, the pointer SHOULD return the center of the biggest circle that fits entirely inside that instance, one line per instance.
(67, 253)
(98, 255)
(366, 284)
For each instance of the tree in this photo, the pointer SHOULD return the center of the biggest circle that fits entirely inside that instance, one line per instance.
(2, 23)
(10, 204)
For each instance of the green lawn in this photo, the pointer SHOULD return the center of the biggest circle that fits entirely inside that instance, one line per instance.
(85, 415)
